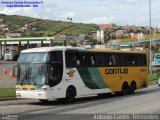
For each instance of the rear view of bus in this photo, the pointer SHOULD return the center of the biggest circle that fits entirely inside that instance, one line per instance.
(37, 72)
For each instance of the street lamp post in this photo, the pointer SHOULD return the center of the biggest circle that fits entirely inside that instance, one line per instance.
(150, 23)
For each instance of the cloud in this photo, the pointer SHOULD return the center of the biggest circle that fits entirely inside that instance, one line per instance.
(130, 2)
(100, 20)
(68, 14)
(48, 10)
(92, 11)
(145, 20)
(19, 11)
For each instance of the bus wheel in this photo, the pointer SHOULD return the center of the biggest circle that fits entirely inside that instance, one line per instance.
(43, 101)
(132, 88)
(125, 89)
(70, 95)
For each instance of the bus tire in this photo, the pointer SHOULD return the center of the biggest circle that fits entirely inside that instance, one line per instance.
(132, 87)
(70, 95)
(125, 89)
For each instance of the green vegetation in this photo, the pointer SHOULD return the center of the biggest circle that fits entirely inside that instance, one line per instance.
(43, 28)
(152, 77)
(81, 28)
(16, 21)
(7, 93)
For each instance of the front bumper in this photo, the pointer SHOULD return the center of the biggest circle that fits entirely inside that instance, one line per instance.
(32, 94)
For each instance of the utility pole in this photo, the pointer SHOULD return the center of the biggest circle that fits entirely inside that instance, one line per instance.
(150, 24)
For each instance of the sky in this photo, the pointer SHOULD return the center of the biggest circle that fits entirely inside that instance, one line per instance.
(120, 12)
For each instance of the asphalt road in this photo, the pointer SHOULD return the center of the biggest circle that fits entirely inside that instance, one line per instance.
(145, 101)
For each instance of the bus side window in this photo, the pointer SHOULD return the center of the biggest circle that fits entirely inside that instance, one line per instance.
(101, 60)
(118, 59)
(140, 60)
(110, 62)
(86, 58)
(132, 60)
(113, 60)
(72, 59)
(76, 59)
(92, 59)
(143, 60)
(137, 60)
(125, 60)
(107, 60)
(69, 61)
(83, 59)
(129, 60)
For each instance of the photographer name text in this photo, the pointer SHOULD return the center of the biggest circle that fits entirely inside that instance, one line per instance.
(21, 3)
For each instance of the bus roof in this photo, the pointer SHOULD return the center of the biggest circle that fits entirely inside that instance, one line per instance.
(47, 49)
(69, 48)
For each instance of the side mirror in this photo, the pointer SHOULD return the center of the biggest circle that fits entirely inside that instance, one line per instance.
(15, 70)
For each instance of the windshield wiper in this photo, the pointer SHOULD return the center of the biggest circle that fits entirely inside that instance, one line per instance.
(28, 77)
(31, 76)
(33, 82)
(25, 77)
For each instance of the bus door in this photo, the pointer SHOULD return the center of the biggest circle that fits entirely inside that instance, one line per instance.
(55, 76)
(55, 69)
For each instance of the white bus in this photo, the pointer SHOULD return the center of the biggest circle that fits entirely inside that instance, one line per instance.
(53, 73)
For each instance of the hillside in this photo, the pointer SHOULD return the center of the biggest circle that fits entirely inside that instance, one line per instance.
(33, 27)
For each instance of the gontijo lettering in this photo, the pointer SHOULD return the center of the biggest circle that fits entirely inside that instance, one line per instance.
(116, 71)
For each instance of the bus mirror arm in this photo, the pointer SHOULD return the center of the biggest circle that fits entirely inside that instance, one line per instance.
(15, 69)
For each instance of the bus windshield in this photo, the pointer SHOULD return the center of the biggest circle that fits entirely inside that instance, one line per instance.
(32, 68)
(33, 57)
(40, 68)
(32, 74)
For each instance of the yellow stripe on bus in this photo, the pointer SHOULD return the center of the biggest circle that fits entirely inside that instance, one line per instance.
(24, 86)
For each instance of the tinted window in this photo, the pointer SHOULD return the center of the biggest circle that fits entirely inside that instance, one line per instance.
(113, 59)
(87, 59)
(101, 60)
(56, 56)
(134, 59)
(55, 74)
(73, 59)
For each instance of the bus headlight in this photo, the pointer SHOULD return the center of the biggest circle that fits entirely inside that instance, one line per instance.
(18, 89)
(44, 89)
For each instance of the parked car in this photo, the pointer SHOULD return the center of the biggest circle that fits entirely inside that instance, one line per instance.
(10, 55)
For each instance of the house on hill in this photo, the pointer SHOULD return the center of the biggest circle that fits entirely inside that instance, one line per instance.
(107, 26)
